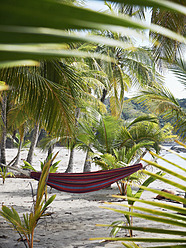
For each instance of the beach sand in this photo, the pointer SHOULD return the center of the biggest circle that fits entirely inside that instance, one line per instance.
(74, 216)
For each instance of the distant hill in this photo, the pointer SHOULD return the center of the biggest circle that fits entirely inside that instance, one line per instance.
(182, 103)
(132, 109)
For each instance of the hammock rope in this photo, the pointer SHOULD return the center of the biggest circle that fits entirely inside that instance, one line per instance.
(87, 182)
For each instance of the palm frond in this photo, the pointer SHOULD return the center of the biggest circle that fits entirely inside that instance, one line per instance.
(59, 16)
(158, 98)
(172, 221)
(161, 100)
(179, 69)
(166, 47)
(48, 93)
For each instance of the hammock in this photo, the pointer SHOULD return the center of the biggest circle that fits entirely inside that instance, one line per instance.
(86, 182)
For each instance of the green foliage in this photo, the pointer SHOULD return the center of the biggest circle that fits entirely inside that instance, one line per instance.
(115, 227)
(128, 143)
(4, 173)
(179, 70)
(45, 36)
(130, 111)
(163, 213)
(28, 166)
(26, 226)
(118, 160)
(161, 101)
(145, 131)
(16, 141)
(135, 107)
(53, 166)
(107, 130)
(132, 245)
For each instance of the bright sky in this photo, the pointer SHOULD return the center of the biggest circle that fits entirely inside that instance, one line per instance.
(171, 81)
(96, 5)
(175, 86)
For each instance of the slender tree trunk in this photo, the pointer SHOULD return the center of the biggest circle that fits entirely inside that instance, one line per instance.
(18, 153)
(50, 151)
(4, 124)
(104, 93)
(87, 164)
(72, 146)
(19, 150)
(71, 161)
(34, 140)
(21, 140)
(139, 159)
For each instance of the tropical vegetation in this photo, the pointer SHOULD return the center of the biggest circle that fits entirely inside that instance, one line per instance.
(173, 222)
(66, 71)
(26, 227)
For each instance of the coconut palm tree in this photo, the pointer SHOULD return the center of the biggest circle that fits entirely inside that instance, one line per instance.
(113, 136)
(144, 129)
(13, 31)
(179, 69)
(106, 131)
(163, 102)
(133, 67)
(113, 133)
(47, 94)
(129, 142)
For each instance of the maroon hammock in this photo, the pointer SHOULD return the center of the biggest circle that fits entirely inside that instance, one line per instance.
(87, 182)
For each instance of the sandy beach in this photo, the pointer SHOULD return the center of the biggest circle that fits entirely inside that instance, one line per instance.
(74, 217)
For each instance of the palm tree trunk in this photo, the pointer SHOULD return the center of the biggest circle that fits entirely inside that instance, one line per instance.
(22, 134)
(71, 161)
(104, 93)
(33, 143)
(50, 150)
(4, 121)
(87, 164)
(18, 153)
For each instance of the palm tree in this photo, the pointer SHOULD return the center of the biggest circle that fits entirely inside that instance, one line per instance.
(85, 139)
(179, 69)
(163, 102)
(106, 131)
(47, 94)
(112, 135)
(133, 67)
(129, 143)
(144, 129)
(34, 35)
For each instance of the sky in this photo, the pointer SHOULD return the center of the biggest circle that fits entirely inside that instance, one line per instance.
(171, 82)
